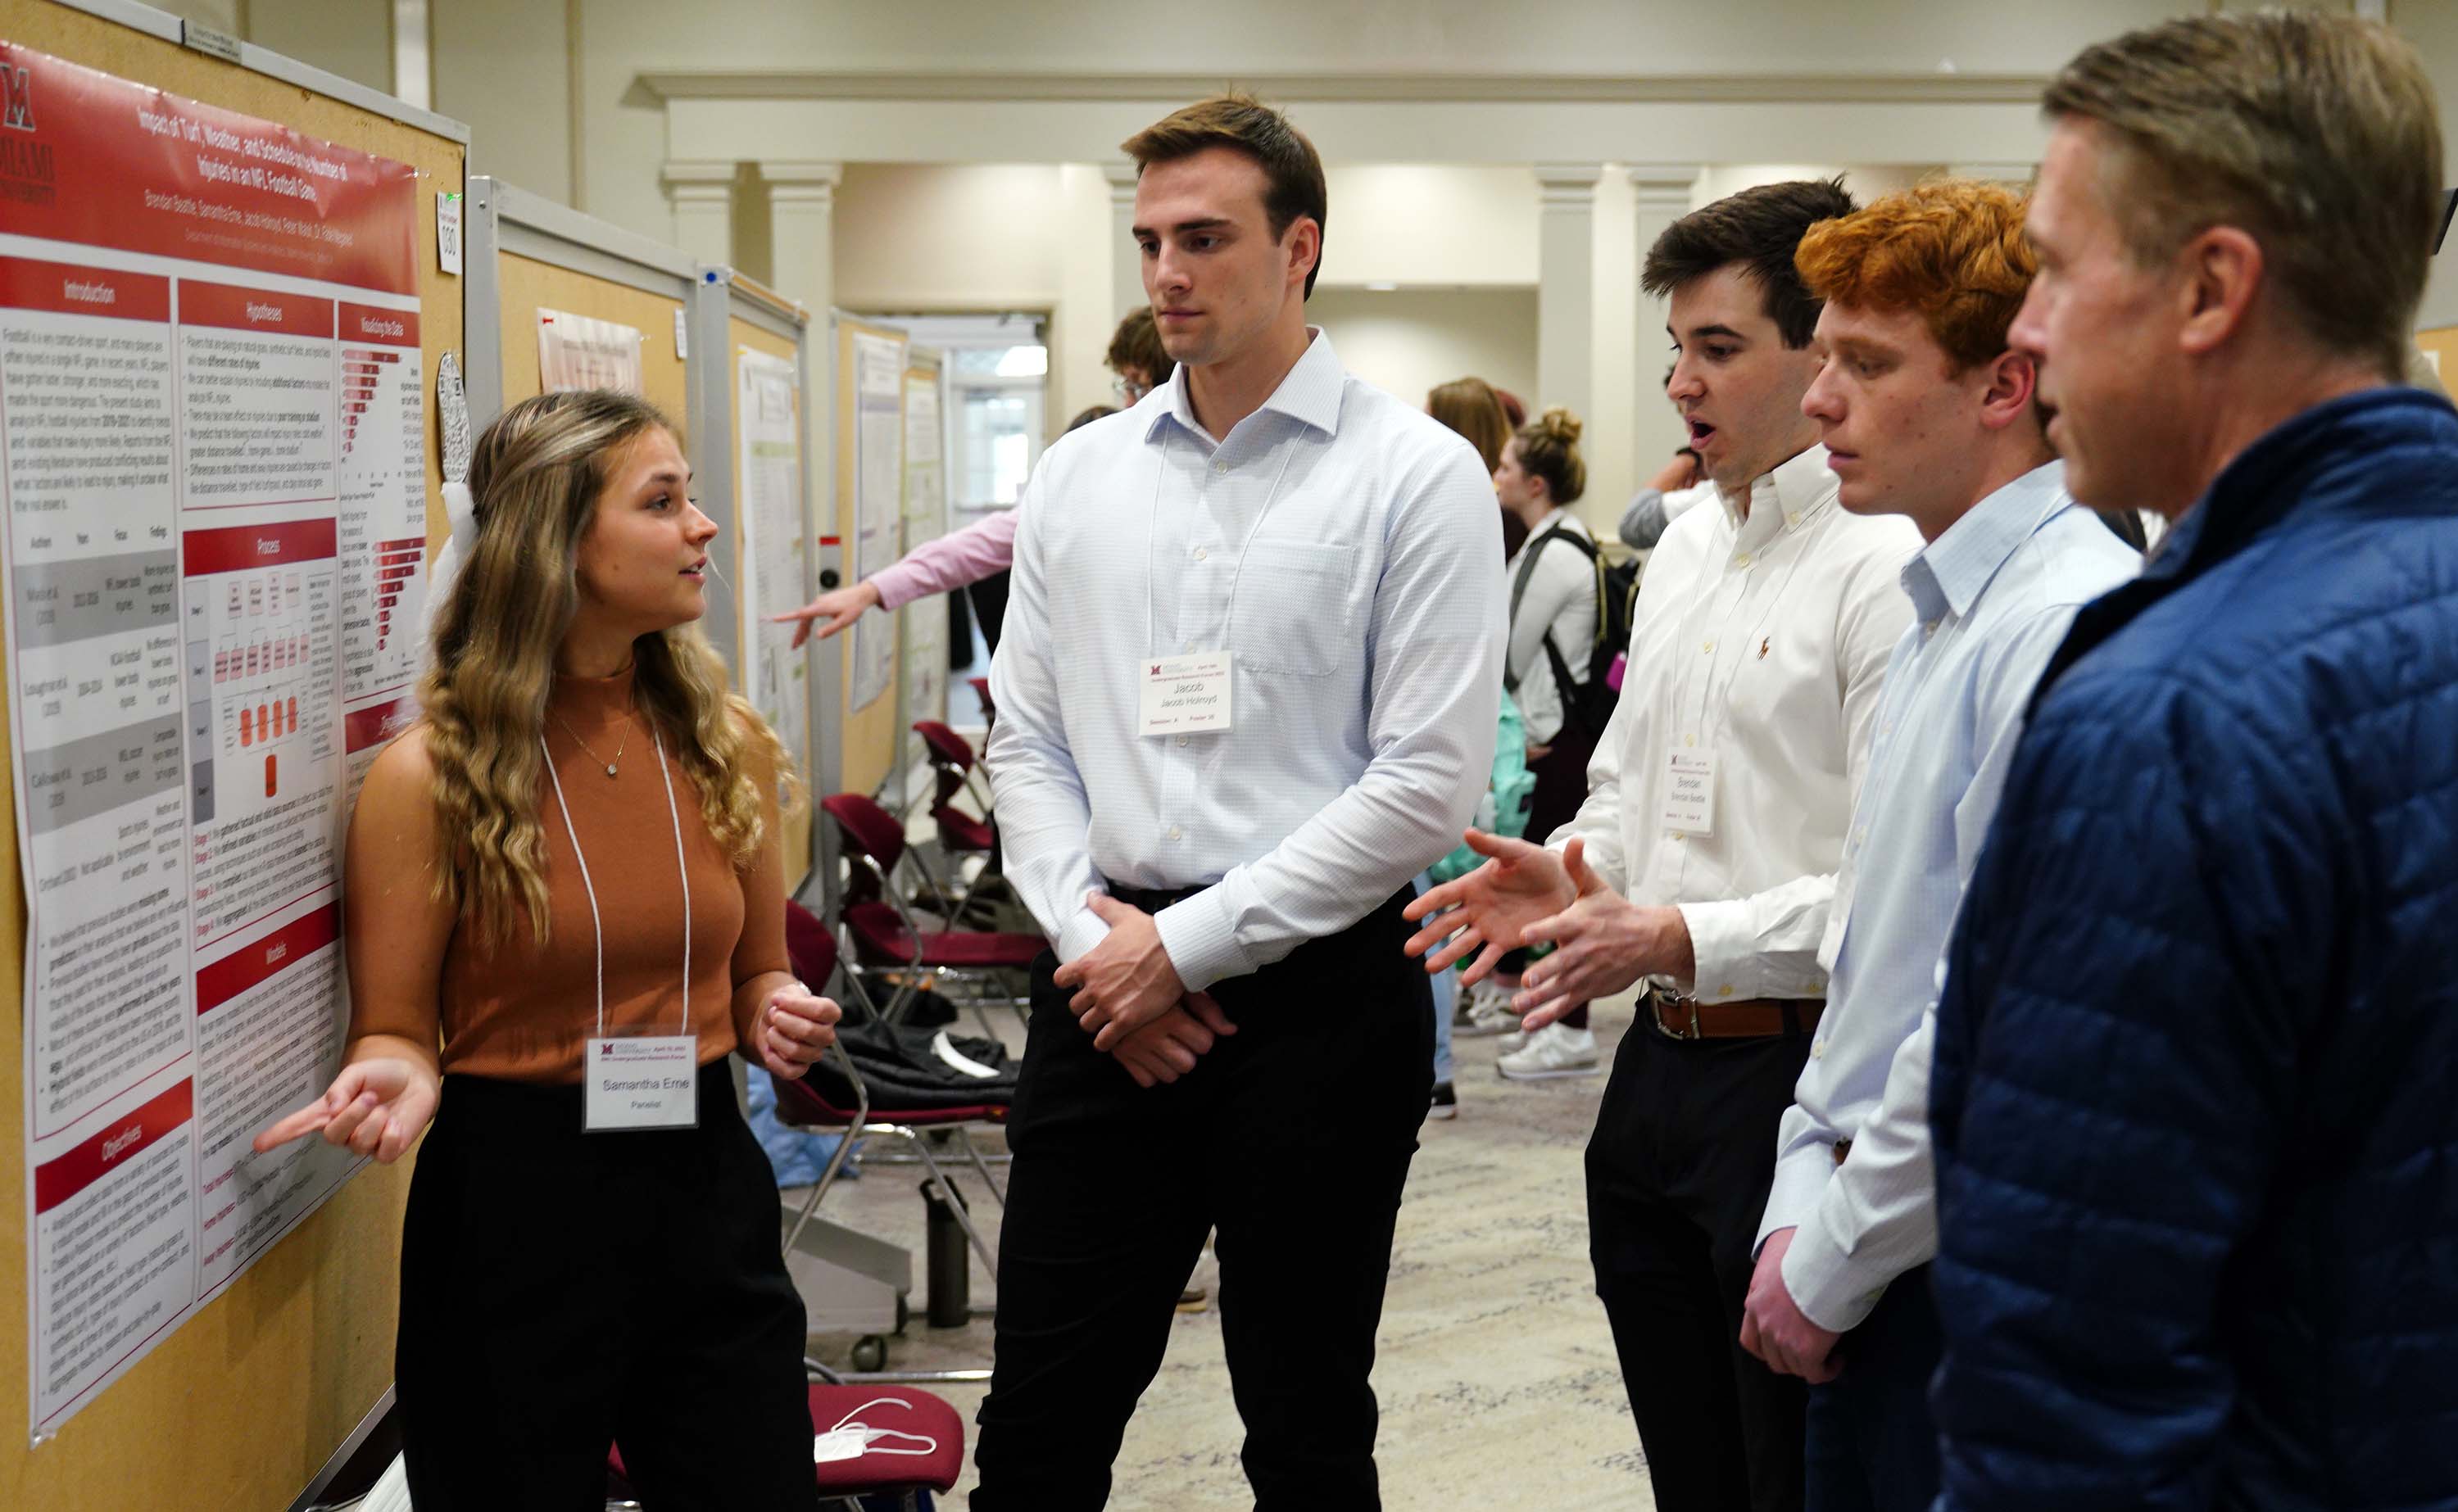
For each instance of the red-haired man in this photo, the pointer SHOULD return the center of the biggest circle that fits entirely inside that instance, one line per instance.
(1926, 413)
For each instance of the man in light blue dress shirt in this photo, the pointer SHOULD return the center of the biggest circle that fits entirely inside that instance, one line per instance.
(1925, 412)
(1246, 691)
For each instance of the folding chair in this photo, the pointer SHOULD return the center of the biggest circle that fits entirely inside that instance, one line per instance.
(955, 770)
(886, 938)
(888, 1466)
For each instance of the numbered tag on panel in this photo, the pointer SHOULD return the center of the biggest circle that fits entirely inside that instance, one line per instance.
(1690, 791)
(641, 1081)
(1182, 694)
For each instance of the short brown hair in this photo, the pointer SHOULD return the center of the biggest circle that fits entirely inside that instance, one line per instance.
(1293, 183)
(1952, 250)
(2314, 134)
(1548, 448)
(1759, 229)
(1136, 343)
(1470, 406)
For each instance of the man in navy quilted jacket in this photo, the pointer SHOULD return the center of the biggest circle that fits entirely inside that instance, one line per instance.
(2195, 1116)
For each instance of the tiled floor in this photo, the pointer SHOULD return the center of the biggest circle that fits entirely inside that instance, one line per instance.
(1497, 1378)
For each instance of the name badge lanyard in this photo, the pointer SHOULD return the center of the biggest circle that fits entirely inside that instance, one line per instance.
(1151, 537)
(662, 1049)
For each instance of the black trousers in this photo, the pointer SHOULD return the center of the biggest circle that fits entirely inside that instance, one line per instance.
(1872, 1445)
(562, 1290)
(1678, 1178)
(1293, 1139)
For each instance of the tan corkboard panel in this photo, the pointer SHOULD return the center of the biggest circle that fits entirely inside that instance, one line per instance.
(741, 333)
(242, 1404)
(868, 741)
(528, 285)
(2441, 341)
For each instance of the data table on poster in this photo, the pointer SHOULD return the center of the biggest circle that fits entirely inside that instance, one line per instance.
(211, 408)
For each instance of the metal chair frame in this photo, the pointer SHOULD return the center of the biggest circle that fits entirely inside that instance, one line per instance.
(978, 982)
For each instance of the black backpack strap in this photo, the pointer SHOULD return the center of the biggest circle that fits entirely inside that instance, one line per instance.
(1519, 591)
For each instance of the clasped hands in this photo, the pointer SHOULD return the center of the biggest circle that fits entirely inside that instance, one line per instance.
(1525, 895)
(1129, 997)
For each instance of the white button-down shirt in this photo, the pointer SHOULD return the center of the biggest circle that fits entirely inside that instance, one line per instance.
(1993, 597)
(1345, 550)
(1560, 600)
(1760, 641)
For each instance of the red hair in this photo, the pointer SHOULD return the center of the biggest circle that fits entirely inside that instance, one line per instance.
(1953, 250)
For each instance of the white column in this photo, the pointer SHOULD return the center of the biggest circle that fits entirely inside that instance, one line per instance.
(1608, 444)
(1662, 190)
(1566, 301)
(702, 195)
(802, 230)
(1126, 263)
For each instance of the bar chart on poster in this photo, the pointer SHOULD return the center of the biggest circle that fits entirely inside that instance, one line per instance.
(211, 395)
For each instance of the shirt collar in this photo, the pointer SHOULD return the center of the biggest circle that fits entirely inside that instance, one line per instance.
(1786, 499)
(1310, 393)
(1950, 573)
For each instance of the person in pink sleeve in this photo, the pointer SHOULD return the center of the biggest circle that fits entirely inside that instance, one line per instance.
(984, 548)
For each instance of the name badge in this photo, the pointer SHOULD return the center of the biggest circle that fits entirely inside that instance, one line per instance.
(1182, 694)
(1690, 791)
(641, 1081)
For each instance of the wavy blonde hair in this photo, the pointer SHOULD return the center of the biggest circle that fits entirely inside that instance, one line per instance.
(536, 475)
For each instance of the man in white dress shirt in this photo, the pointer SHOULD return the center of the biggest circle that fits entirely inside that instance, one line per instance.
(1925, 413)
(1705, 859)
(1247, 691)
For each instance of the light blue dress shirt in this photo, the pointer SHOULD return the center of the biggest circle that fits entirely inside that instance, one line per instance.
(1992, 597)
(1345, 550)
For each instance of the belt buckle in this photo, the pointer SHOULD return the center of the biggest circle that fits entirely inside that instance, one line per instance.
(1679, 1000)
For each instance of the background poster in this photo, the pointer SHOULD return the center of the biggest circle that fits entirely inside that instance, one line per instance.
(776, 571)
(879, 501)
(924, 620)
(214, 529)
(580, 351)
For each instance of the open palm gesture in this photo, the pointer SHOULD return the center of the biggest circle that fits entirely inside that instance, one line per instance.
(1486, 911)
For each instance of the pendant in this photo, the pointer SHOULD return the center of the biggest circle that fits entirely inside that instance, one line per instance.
(609, 769)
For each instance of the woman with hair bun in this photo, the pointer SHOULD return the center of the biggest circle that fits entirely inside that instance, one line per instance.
(564, 908)
(1552, 628)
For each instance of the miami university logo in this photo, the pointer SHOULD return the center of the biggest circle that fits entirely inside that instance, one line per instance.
(16, 99)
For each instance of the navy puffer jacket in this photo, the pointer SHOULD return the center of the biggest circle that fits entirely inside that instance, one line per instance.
(2196, 1095)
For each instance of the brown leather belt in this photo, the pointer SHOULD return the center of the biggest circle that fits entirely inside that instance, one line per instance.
(1679, 1018)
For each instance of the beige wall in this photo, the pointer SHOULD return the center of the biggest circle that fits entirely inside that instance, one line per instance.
(1430, 223)
(509, 58)
(1408, 340)
(349, 38)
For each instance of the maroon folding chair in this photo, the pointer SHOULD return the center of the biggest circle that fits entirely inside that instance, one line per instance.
(981, 686)
(954, 769)
(884, 936)
(919, 1446)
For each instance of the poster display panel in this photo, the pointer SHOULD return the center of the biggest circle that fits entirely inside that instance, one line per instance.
(211, 412)
(776, 550)
(879, 501)
(925, 621)
(580, 351)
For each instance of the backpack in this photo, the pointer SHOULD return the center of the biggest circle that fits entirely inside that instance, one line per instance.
(1588, 702)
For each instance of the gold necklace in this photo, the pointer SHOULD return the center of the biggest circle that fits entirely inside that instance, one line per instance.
(594, 755)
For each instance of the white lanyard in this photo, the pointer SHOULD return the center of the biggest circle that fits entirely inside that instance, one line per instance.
(596, 925)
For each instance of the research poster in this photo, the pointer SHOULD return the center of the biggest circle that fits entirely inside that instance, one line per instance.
(776, 546)
(879, 499)
(925, 621)
(211, 407)
(580, 351)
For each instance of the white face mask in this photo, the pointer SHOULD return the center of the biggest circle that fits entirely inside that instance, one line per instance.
(849, 1440)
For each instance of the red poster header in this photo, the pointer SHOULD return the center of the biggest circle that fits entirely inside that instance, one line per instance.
(68, 289)
(251, 965)
(87, 158)
(239, 309)
(237, 548)
(366, 322)
(377, 723)
(122, 1141)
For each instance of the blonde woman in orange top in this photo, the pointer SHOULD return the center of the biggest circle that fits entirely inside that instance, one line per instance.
(565, 907)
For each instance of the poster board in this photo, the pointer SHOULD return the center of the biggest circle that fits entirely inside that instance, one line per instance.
(870, 526)
(922, 652)
(773, 527)
(2440, 348)
(253, 1392)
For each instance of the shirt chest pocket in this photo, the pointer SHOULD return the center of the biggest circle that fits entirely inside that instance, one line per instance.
(1294, 614)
